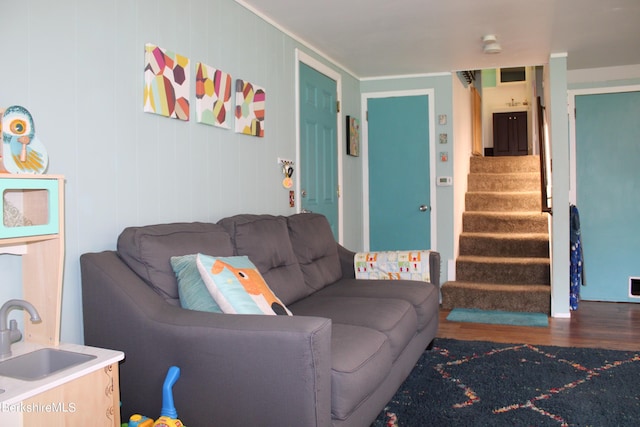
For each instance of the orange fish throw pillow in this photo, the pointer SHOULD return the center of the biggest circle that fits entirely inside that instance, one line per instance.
(238, 287)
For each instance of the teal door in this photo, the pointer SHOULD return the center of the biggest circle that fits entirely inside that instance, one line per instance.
(399, 177)
(608, 199)
(318, 145)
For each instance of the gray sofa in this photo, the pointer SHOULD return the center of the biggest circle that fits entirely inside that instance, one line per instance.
(337, 361)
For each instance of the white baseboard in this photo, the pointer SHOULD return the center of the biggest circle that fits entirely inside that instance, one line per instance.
(451, 269)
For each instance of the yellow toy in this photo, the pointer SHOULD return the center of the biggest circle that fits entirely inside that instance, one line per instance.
(138, 420)
(168, 414)
(167, 422)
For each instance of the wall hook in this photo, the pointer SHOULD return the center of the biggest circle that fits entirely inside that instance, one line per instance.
(287, 171)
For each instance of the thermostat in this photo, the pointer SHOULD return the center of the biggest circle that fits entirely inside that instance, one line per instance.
(443, 181)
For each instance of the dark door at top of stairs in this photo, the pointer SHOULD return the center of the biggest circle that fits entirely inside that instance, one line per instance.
(510, 134)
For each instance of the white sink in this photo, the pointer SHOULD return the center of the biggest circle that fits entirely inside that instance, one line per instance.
(41, 363)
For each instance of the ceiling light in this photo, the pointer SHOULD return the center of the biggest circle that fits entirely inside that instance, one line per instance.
(491, 45)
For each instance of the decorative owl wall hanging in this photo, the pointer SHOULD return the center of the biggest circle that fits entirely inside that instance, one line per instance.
(22, 151)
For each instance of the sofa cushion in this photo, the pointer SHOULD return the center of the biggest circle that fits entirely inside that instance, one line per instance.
(360, 361)
(424, 297)
(316, 248)
(237, 286)
(265, 240)
(395, 318)
(193, 293)
(147, 250)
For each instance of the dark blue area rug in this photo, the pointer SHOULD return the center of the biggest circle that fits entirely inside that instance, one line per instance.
(498, 317)
(475, 383)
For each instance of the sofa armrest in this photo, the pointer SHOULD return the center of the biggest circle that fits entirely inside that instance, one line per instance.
(434, 268)
(346, 262)
(235, 369)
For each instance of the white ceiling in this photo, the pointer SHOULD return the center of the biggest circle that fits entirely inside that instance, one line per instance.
(374, 38)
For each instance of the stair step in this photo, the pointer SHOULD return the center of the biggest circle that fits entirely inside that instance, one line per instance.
(491, 201)
(534, 245)
(506, 270)
(505, 222)
(505, 164)
(503, 261)
(526, 181)
(492, 296)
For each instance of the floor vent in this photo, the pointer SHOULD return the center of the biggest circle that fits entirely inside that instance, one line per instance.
(634, 287)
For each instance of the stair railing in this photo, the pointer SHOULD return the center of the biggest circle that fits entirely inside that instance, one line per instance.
(543, 145)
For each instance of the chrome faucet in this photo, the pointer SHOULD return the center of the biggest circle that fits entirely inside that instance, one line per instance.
(13, 334)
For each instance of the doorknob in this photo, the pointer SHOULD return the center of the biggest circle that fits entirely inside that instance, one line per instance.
(303, 193)
(423, 208)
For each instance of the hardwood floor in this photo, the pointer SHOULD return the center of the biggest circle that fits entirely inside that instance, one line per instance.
(595, 324)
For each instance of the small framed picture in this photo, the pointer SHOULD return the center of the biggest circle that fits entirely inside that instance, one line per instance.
(353, 136)
(443, 138)
(442, 119)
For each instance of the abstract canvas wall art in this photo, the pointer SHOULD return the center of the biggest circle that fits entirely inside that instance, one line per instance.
(213, 96)
(167, 83)
(250, 108)
(22, 151)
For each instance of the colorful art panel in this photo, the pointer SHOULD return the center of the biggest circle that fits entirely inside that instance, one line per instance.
(167, 83)
(353, 136)
(213, 96)
(22, 151)
(250, 108)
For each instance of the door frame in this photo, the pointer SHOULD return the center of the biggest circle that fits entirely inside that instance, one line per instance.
(430, 93)
(301, 57)
(571, 95)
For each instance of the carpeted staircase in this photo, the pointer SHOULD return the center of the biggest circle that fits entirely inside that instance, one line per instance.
(503, 262)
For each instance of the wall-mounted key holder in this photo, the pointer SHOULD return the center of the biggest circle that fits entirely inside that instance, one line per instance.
(287, 171)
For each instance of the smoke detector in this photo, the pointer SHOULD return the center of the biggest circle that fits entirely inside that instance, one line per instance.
(490, 44)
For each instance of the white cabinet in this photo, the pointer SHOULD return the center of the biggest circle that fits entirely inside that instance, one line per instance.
(91, 400)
